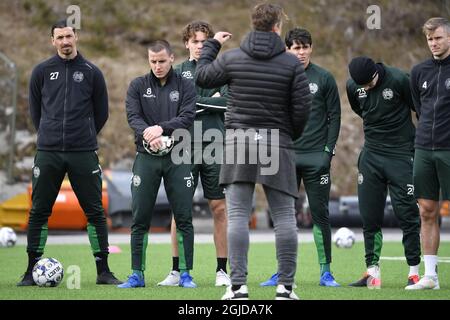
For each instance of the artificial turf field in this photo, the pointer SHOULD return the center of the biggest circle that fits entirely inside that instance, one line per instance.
(347, 266)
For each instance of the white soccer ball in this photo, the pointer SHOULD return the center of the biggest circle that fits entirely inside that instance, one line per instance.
(48, 272)
(344, 238)
(8, 237)
(167, 145)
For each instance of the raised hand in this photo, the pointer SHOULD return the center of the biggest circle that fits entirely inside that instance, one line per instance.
(222, 36)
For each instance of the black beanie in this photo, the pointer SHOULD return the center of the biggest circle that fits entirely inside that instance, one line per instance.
(362, 70)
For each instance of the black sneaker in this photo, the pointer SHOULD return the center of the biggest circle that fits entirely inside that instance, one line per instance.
(107, 277)
(361, 282)
(27, 280)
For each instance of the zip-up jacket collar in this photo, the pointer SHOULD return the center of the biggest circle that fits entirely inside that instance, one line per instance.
(444, 62)
(157, 81)
(78, 58)
(381, 74)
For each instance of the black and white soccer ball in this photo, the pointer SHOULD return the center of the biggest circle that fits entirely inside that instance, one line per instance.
(48, 272)
(8, 237)
(344, 238)
(167, 145)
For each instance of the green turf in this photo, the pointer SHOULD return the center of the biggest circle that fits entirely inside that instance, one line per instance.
(348, 266)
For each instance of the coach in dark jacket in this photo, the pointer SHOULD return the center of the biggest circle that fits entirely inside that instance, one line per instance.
(269, 100)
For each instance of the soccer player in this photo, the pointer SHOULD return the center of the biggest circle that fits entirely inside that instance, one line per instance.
(68, 106)
(315, 149)
(381, 96)
(430, 85)
(157, 104)
(269, 101)
(211, 105)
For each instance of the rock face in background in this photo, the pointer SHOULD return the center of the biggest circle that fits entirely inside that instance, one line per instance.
(114, 35)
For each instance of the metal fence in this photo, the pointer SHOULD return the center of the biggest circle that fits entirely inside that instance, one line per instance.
(8, 107)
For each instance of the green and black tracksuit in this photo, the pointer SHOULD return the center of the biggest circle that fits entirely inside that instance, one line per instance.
(172, 107)
(430, 86)
(386, 161)
(68, 104)
(314, 151)
(211, 106)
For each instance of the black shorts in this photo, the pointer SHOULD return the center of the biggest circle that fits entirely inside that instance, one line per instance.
(432, 174)
(209, 176)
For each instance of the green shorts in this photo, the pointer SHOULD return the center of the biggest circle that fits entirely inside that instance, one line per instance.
(209, 176)
(432, 174)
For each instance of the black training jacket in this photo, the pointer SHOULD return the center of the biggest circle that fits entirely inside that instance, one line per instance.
(430, 87)
(68, 104)
(267, 87)
(171, 106)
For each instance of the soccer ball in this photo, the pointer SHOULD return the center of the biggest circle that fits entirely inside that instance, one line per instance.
(8, 237)
(344, 238)
(48, 272)
(167, 145)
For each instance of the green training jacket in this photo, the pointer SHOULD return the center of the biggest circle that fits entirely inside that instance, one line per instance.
(386, 111)
(210, 110)
(324, 122)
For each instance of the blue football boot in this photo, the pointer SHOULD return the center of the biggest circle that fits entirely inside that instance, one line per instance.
(272, 282)
(186, 281)
(327, 280)
(134, 281)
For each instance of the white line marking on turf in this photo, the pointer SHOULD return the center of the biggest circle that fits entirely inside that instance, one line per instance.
(442, 259)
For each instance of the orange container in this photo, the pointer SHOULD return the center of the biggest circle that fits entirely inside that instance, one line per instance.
(445, 208)
(67, 213)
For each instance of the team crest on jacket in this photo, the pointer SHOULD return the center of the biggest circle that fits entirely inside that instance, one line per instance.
(174, 96)
(78, 76)
(313, 87)
(136, 181)
(388, 94)
(360, 178)
(36, 172)
(447, 84)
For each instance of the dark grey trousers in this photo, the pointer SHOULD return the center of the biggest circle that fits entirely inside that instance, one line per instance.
(239, 198)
